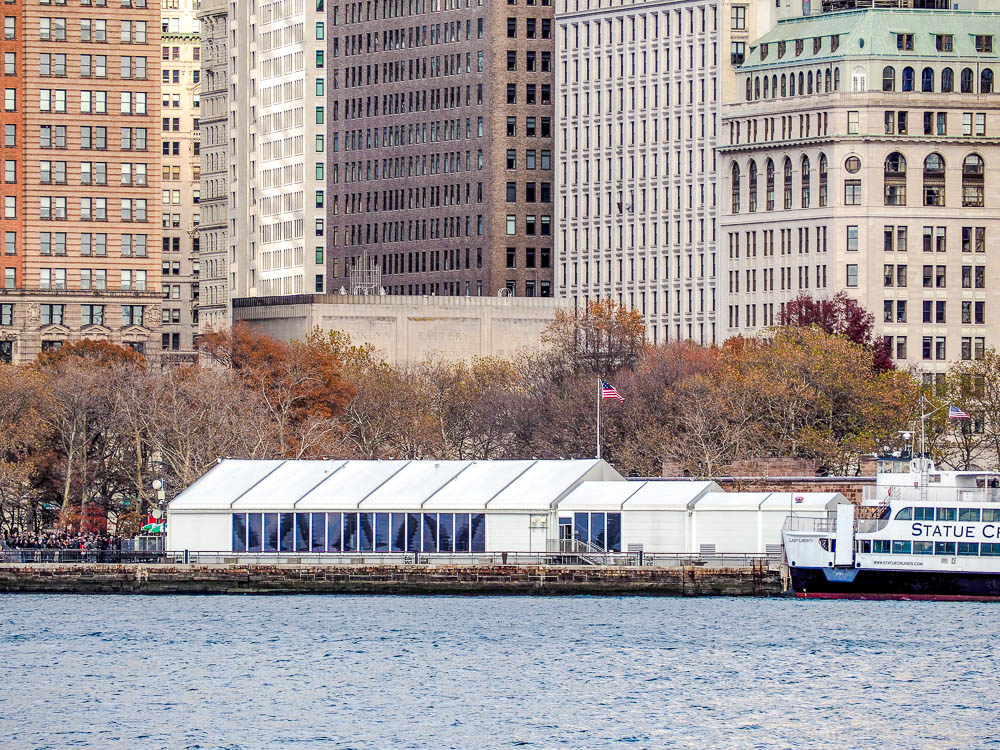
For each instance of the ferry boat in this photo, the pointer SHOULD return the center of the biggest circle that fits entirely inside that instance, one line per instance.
(920, 533)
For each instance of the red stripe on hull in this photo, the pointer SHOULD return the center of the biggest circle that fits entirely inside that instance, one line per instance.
(901, 597)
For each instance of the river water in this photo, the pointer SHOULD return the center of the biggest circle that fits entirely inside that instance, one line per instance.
(495, 672)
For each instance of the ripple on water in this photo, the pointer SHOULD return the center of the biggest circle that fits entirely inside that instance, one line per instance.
(354, 673)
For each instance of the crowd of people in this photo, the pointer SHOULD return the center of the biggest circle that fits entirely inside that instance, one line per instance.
(62, 540)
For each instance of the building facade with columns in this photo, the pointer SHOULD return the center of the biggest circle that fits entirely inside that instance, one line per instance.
(858, 159)
(640, 87)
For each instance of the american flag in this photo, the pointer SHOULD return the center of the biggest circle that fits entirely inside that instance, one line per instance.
(608, 391)
(955, 413)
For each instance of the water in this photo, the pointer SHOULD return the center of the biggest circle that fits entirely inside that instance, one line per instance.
(448, 672)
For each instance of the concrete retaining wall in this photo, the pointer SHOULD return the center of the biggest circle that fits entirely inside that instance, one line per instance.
(385, 579)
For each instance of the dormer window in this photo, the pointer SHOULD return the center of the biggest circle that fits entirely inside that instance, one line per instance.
(798, 47)
(763, 52)
(834, 42)
(944, 42)
(904, 42)
(781, 50)
(817, 44)
(984, 43)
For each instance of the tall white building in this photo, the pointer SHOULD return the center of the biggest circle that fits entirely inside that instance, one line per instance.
(277, 134)
(213, 304)
(639, 88)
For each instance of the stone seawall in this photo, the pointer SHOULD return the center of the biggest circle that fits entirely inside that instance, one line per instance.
(385, 579)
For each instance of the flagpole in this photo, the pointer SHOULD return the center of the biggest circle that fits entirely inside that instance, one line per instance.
(598, 417)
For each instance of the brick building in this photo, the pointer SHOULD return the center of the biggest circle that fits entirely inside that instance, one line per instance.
(81, 249)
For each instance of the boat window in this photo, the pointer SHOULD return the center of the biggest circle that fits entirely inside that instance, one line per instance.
(944, 548)
(923, 548)
(991, 514)
(881, 546)
(968, 548)
(904, 514)
(968, 514)
(901, 547)
(923, 514)
(987, 549)
(864, 545)
(946, 514)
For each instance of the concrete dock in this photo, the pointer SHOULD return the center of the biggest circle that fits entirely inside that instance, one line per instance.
(85, 578)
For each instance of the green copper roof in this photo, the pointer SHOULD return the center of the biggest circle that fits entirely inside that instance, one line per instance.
(872, 33)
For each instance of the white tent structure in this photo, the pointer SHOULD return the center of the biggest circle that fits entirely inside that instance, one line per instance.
(446, 507)
(376, 506)
(688, 517)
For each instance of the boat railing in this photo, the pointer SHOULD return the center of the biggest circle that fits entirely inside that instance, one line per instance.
(935, 493)
(811, 524)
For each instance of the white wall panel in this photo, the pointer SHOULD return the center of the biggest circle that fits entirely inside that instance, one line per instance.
(199, 532)
(657, 531)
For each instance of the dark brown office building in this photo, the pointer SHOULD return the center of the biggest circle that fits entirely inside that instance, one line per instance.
(440, 142)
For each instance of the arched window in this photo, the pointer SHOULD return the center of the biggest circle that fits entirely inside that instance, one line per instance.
(805, 182)
(802, 85)
(756, 87)
(791, 85)
(907, 78)
(836, 79)
(828, 80)
(749, 89)
(752, 186)
(774, 86)
(895, 179)
(934, 180)
(784, 85)
(859, 80)
(809, 81)
(769, 186)
(787, 170)
(986, 81)
(823, 193)
(888, 78)
(736, 187)
(927, 80)
(966, 80)
(973, 169)
(767, 87)
(947, 80)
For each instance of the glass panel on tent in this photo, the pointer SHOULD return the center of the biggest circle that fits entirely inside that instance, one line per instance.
(398, 532)
(301, 532)
(430, 532)
(478, 532)
(318, 537)
(446, 524)
(254, 533)
(381, 532)
(287, 533)
(413, 532)
(239, 532)
(270, 532)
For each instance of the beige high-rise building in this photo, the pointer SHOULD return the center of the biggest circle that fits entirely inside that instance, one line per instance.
(859, 159)
(180, 168)
(639, 89)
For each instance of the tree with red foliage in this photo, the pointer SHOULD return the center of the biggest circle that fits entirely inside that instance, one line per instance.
(95, 352)
(301, 383)
(839, 316)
